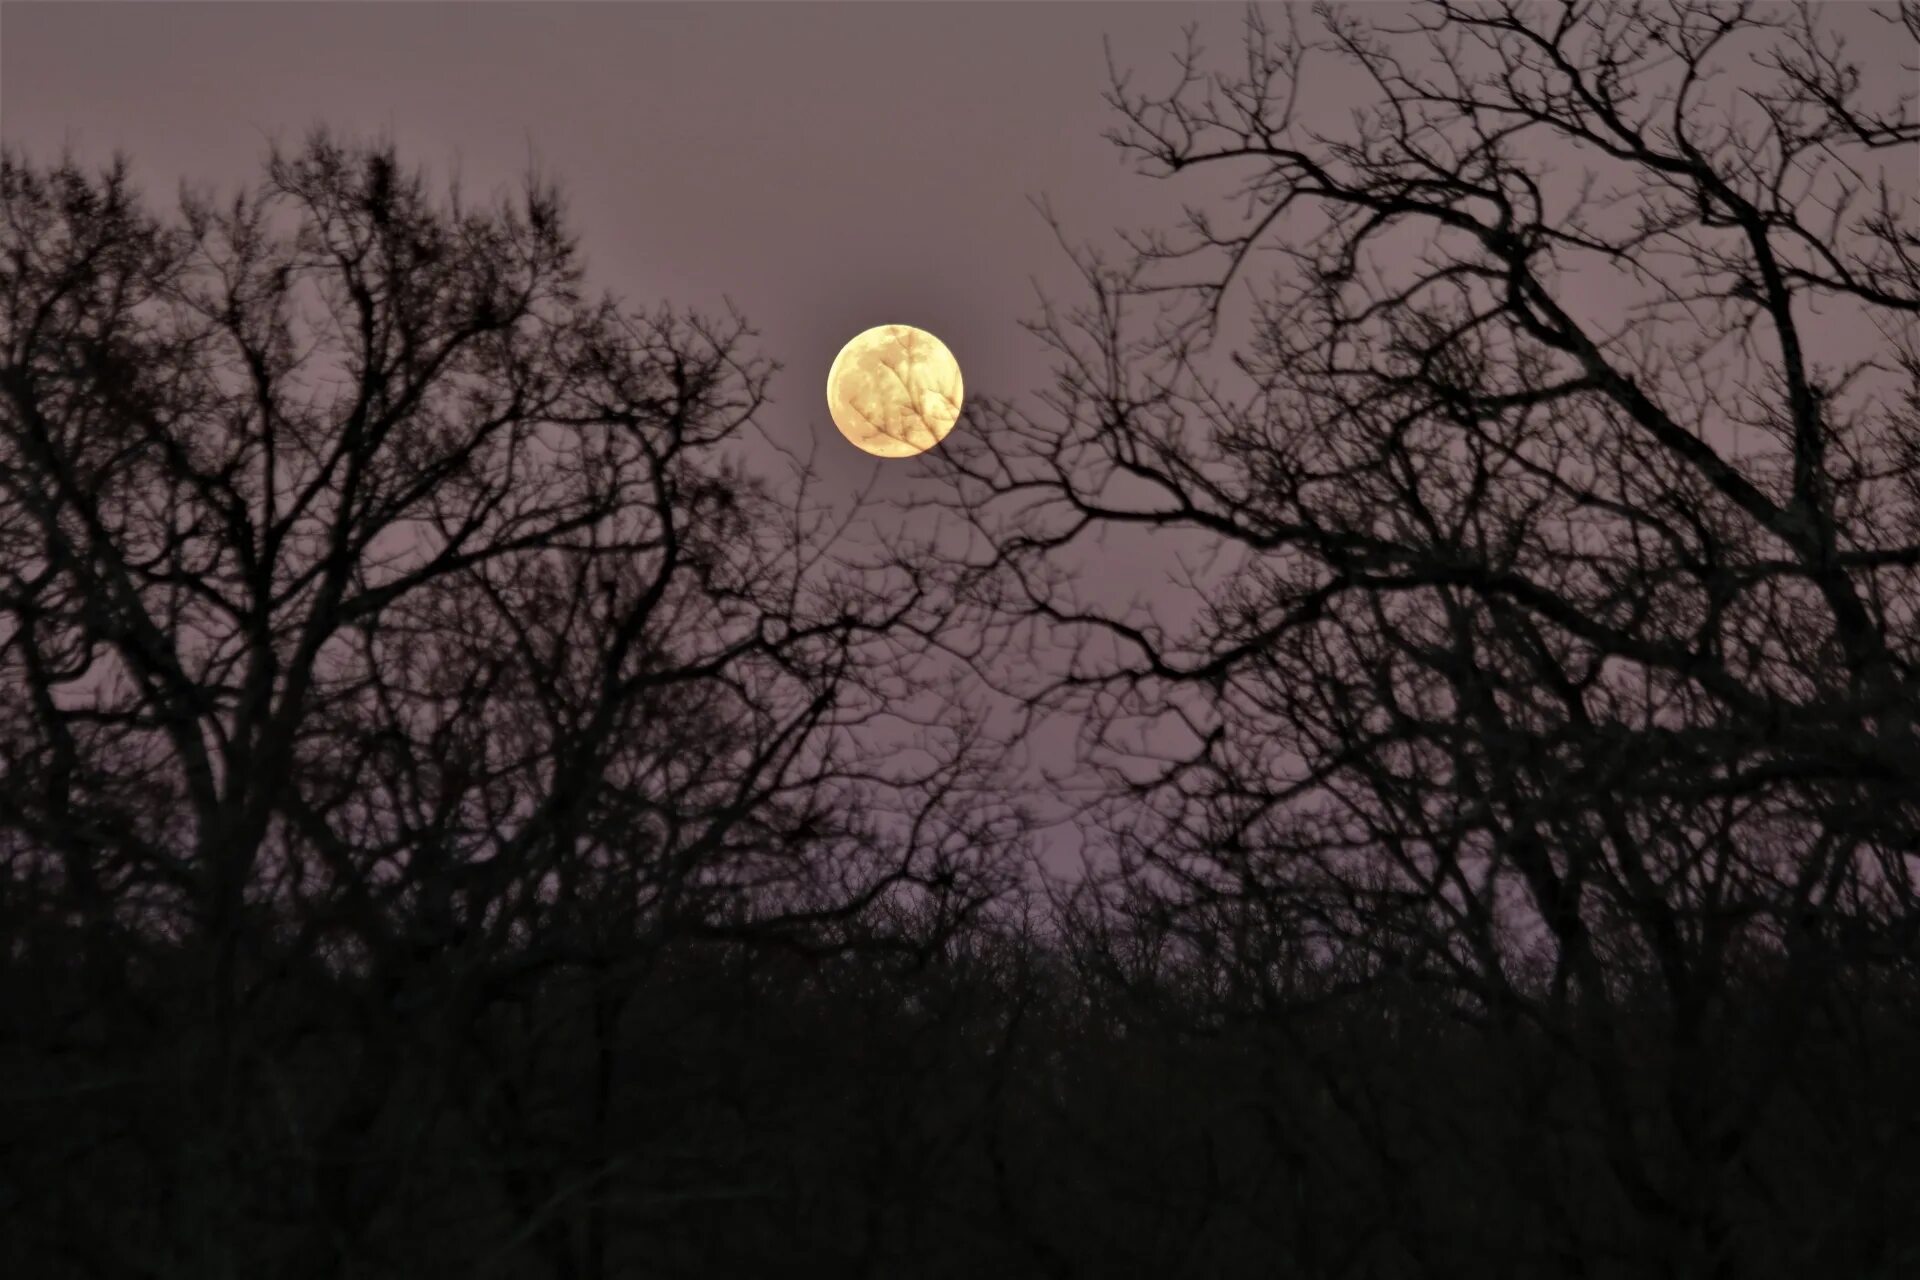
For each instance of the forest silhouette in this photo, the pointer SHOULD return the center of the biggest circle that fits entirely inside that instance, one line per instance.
(460, 815)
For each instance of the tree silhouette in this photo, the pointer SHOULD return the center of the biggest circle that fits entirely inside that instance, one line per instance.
(1557, 655)
(392, 639)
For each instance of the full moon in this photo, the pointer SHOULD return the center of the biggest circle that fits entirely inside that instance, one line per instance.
(894, 390)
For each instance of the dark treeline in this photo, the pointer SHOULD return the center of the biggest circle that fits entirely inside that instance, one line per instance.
(996, 1110)
(460, 815)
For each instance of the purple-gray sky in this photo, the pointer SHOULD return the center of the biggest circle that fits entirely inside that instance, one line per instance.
(826, 166)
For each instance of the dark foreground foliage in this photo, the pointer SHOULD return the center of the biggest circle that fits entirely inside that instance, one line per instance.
(994, 1111)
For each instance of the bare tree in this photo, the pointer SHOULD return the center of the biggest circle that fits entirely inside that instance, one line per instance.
(392, 639)
(1557, 650)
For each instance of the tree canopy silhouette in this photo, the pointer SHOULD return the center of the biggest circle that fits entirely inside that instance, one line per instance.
(1557, 654)
(387, 625)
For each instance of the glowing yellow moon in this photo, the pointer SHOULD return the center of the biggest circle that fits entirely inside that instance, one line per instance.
(894, 390)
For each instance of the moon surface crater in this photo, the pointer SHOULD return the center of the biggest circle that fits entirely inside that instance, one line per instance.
(894, 391)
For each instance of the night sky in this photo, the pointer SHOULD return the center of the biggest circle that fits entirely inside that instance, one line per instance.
(823, 167)
(826, 167)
